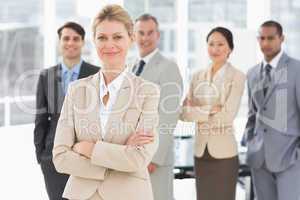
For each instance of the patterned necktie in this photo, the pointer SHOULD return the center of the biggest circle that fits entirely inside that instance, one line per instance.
(140, 68)
(267, 78)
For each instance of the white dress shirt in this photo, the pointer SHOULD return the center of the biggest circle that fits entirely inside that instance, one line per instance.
(274, 62)
(148, 57)
(113, 89)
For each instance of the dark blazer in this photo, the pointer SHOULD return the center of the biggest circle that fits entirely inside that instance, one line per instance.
(49, 100)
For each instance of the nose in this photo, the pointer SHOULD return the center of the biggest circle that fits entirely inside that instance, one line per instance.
(109, 44)
(264, 42)
(144, 37)
(70, 42)
(215, 49)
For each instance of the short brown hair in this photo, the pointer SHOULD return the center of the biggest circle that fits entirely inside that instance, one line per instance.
(113, 12)
(74, 26)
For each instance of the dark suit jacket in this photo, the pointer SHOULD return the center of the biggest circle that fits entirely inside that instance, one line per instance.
(49, 100)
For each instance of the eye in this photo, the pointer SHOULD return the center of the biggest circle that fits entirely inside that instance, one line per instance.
(65, 39)
(118, 37)
(76, 39)
(101, 38)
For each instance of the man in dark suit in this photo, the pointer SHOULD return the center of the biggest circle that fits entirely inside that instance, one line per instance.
(51, 89)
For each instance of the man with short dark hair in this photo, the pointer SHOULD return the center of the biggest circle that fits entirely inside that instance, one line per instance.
(154, 67)
(51, 89)
(272, 131)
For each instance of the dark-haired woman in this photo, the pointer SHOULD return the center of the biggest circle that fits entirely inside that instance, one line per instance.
(213, 102)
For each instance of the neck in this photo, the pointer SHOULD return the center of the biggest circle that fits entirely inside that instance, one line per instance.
(270, 58)
(143, 55)
(70, 63)
(216, 66)
(110, 73)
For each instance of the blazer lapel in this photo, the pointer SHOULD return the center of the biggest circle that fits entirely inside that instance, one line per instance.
(120, 107)
(227, 84)
(280, 71)
(60, 96)
(257, 86)
(93, 97)
(83, 70)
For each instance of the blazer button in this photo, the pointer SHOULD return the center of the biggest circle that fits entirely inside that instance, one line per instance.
(265, 108)
(265, 130)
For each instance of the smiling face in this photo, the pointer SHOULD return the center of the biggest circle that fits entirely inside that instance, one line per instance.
(270, 42)
(70, 44)
(218, 48)
(112, 41)
(147, 36)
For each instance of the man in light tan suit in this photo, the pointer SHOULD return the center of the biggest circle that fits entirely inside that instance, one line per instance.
(154, 67)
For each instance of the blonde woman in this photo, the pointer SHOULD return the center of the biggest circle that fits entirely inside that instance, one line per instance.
(213, 102)
(106, 135)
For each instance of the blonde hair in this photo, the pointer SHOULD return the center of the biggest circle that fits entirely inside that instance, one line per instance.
(113, 12)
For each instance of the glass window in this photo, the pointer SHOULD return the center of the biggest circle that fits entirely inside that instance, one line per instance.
(288, 14)
(1, 114)
(21, 51)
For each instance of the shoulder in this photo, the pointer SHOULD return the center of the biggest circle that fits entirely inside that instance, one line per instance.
(198, 75)
(143, 86)
(90, 67)
(83, 82)
(239, 74)
(47, 71)
(166, 63)
(293, 62)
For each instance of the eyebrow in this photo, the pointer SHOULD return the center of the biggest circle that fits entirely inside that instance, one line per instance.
(112, 34)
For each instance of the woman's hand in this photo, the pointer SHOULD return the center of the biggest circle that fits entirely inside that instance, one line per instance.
(216, 109)
(84, 148)
(188, 102)
(140, 138)
(152, 168)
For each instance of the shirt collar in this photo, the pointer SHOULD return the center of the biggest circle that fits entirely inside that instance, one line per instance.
(113, 86)
(148, 57)
(274, 62)
(75, 69)
(219, 74)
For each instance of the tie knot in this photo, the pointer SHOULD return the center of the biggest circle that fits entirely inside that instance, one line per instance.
(268, 68)
(142, 62)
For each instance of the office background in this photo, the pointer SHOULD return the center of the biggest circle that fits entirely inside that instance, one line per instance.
(28, 43)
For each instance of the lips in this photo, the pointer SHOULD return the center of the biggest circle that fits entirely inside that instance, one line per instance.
(70, 49)
(145, 44)
(110, 53)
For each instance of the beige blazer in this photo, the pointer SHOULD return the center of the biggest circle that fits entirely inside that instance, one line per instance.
(114, 169)
(215, 130)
